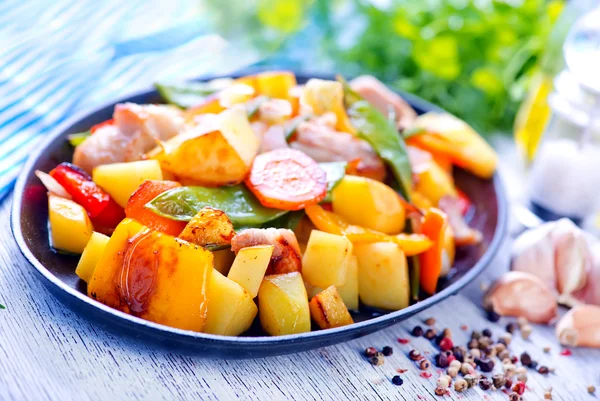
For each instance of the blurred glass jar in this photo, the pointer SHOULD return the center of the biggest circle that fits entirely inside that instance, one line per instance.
(565, 174)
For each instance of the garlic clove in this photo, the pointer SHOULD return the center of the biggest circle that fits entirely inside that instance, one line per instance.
(522, 294)
(590, 293)
(580, 327)
(533, 252)
(573, 258)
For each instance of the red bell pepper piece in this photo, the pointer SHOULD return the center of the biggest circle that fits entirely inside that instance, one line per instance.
(434, 227)
(102, 209)
(102, 124)
(464, 202)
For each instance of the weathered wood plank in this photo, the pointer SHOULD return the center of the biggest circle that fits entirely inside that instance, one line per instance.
(49, 353)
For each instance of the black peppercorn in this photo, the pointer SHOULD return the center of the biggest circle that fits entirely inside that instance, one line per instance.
(493, 316)
(441, 360)
(370, 351)
(485, 383)
(544, 370)
(397, 380)
(430, 334)
(487, 333)
(458, 354)
(526, 359)
(417, 331)
(387, 351)
(475, 335)
(378, 359)
(415, 355)
(532, 365)
(486, 365)
(511, 328)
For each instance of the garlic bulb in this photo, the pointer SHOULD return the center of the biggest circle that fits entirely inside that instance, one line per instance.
(580, 327)
(522, 294)
(590, 293)
(558, 254)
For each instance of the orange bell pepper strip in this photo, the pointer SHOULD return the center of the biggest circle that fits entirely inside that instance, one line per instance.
(411, 244)
(434, 227)
(448, 136)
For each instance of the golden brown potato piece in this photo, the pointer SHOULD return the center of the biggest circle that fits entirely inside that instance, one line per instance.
(286, 256)
(328, 309)
(209, 228)
(218, 151)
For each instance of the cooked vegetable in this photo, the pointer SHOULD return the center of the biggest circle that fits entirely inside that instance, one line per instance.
(102, 209)
(91, 255)
(230, 309)
(136, 207)
(78, 138)
(191, 94)
(382, 275)
(154, 276)
(433, 182)
(210, 228)
(121, 180)
(70, 226)
(217, 152)
(325, 261)
(349, 291)
(249, 267)
(328, 309)
(451, 137)
(283, 305)
(286, 256)
(287, 179)
(276, 84)
(434, 226)
(334, 171)
(368, 203)
(411, 244)
(236, 201)
(52, 185)
(376, 129)
(320, 96)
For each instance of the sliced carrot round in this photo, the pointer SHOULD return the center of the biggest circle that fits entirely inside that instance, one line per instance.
(287, 179)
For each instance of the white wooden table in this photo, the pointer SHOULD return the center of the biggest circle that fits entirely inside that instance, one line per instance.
(48, 352)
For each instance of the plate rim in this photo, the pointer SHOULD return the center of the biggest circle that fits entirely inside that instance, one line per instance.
(222, 340)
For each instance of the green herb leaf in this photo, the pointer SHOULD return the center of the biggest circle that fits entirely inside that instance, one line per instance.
(289, 220)
(77, 139)
(240, 205)
(2, 306)
(375, 128)
(190, 94)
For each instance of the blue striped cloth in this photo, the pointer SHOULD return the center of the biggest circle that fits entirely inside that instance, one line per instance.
(51, 65)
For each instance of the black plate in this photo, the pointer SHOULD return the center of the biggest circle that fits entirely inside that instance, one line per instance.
(57, 272)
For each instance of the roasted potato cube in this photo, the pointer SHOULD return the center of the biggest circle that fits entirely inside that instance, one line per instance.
(121, 180)
(154, 276)
(382, 275)
(434, 183)
(249, 267)
(328, 309)
(218, 151)
(231, 310)
(209, 228)
(283, 304)
(321, 96)
(91, 255)
(325, 261)
(368, 203)
(70, 226)
(349, 291)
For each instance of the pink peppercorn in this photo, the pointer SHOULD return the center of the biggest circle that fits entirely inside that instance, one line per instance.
(519, 388)
(446, 344)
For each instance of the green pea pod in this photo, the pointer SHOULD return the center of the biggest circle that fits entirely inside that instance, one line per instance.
(289, 220)
(240, 205)
(189, 94)
(77, 139)
(253, 105)
(375, 128)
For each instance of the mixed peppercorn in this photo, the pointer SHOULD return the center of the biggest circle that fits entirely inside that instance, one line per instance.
(465, 367)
